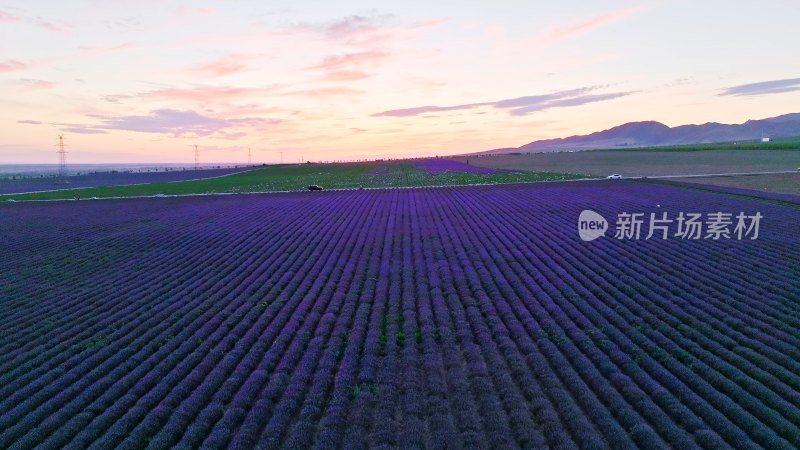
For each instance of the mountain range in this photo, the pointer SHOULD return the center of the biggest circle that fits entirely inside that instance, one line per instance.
(654, 134)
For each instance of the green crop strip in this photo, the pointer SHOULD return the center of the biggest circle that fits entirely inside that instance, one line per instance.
(299, 177)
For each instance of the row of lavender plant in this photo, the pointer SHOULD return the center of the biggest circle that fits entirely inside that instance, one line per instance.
(438, 317)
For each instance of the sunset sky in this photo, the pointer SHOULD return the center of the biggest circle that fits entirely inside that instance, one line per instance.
(142, 81)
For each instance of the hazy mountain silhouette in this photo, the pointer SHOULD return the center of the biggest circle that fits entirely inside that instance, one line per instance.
(651, 134)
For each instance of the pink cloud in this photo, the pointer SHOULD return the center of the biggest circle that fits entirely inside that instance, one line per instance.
(226, 65)
(239, 110)
(36, 85)
(12, 65)
(87, 50)
(348, 27)
(83, 52)
(351, 59)
(323, 92)
(565, 32)
(430, 84)
(8, 17)
(50, 26)
(345, 75)
(431, 22)
(494, 31)
(197, 11)
(230, 136)
(370, 31)
(205, 94)
(38, 21)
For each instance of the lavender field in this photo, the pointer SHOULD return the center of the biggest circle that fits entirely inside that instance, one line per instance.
(440, 165)
(451, 317)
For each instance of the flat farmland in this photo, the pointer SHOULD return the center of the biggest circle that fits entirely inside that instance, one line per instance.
(111, 178)
(782, 183)
(639, 163)
(455, 317)
(293, 177)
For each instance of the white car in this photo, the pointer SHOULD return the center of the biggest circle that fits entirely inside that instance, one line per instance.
(615, 176)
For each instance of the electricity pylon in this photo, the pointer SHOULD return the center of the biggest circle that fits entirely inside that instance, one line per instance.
(62, 156)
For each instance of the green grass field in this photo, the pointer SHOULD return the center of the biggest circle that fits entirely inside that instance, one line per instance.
(637, 163)
(299, 177)
(789, 143)
(783, 143)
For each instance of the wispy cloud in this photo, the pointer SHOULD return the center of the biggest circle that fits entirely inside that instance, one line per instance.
(238, 110)
(123, 22)
(83, 52)
(12, 65)
(38, 21)
(367, 40)
(167, 121)
(230, 136)
(345, 75)
(339, 62)
(563, 31)
(567, 31)
(8, 17)
(542, 99)
(764, 87)
(348, 27)
(205, 94)
(519, 106)
(30, 122)
(81, 130)
(35, 85)
(408, 112)
(322, 92)
(179, 123)
(432, 22)
(364, 28)
(51, 26)
(94, 50)
(229, 99)
(567, 102)
(197, 11)
(225, 65)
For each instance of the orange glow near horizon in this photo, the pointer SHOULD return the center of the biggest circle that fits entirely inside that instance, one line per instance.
(136, 85)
